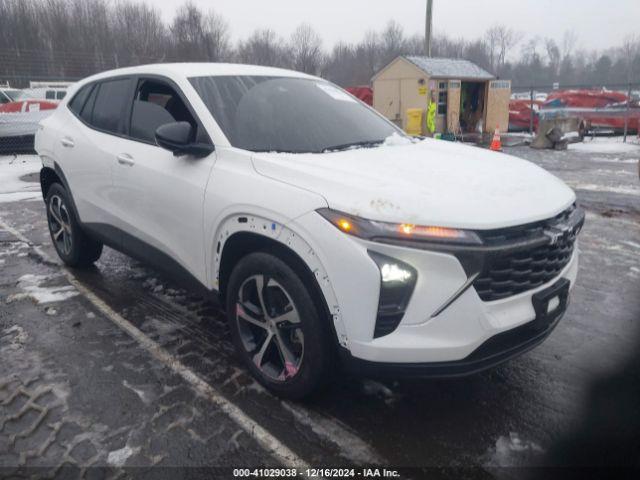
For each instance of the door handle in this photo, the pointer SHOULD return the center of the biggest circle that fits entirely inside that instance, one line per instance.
(125, 159)
(67, 142)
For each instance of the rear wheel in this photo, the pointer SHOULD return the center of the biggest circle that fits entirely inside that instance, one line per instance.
(276, 327)
(74, 247)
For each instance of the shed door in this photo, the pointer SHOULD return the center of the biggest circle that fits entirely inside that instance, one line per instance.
(498, 95)
(453, 108)
(387, 100)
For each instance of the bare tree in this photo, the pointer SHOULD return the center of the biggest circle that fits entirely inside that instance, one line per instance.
(306, 49)
(264, 47)
(500, 40)
(554, 57)
(392, 41)
(199, 36)
(369, 51)
(630, 49)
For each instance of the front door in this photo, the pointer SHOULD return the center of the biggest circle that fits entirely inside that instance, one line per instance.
(159, 196)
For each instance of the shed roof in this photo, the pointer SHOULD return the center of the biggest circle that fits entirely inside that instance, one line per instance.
(451, 68)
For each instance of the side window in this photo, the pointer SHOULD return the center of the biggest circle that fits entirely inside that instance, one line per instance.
(109, 104)
(3, 99)
(87, 111)
(156, 104)
(60, 95)
(77, 102)
(50, 95)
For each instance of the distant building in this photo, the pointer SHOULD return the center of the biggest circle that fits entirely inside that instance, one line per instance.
(469, 98)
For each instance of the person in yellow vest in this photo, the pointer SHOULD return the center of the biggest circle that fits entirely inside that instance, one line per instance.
(432, 110)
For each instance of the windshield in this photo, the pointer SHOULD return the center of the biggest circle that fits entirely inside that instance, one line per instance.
(17, 95)
(282, 114)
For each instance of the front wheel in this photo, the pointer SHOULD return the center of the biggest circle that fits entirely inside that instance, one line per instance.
(276, 327)
(73, 246)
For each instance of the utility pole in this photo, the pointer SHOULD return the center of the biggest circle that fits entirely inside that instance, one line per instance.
(428, 28)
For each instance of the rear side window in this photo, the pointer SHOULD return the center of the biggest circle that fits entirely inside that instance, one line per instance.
(87, 110)
(77, 102)
(109, 105)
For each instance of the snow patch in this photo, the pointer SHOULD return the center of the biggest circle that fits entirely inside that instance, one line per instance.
(143, 395)
(31, 286)
(12, 169)
(606, 146)
(627, 161)
(18, 336)
(396, 140)
(117, 458)
(605, 188)
(632, 244)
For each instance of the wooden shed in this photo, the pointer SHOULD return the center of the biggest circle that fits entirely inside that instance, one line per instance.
(469, 98)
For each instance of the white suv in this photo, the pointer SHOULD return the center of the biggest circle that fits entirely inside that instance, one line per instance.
(330, 237)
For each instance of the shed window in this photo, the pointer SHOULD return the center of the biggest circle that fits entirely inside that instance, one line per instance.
(443, 95)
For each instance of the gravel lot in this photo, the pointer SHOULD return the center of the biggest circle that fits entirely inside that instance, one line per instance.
(77, 391)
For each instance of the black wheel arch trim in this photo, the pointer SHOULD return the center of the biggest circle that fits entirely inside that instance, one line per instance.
(57, 171)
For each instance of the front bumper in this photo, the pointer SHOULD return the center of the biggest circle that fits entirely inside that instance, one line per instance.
(494, 351)
(452, 340)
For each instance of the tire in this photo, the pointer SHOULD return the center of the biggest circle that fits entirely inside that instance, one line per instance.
(74, 247)
(291, 357)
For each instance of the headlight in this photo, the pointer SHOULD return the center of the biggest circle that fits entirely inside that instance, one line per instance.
(372, 230)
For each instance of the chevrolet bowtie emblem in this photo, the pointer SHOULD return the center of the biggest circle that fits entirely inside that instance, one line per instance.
(555, 235)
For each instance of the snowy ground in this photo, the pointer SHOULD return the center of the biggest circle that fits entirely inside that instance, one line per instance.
(106, 399)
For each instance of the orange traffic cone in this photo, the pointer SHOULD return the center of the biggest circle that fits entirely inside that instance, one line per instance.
(496, 144)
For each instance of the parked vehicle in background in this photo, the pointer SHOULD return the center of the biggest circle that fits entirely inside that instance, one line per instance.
(326, 233)
(54, 91)
(601, 110)
(19, 118)
(53, 94)
(520, 115)
(364, 94)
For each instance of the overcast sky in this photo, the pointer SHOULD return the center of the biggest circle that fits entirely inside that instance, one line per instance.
(599, 24)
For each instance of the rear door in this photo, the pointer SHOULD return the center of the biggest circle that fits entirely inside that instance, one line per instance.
(86, 151)
(160, 197)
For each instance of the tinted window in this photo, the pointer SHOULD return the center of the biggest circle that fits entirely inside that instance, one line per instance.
(109, 105)
(50, 95)
(156, 104)
(60, 95)
(87, 110)
(289, 114)
(77, 102)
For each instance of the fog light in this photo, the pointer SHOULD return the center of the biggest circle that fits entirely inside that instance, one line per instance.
(397, 282)
(392, 272)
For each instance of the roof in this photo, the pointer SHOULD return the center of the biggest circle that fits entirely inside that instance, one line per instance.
(199, 70)
(453, 68)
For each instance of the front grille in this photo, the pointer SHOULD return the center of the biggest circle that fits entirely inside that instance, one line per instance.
(518, 270)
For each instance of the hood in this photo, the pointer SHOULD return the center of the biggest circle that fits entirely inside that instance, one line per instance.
(432, 182)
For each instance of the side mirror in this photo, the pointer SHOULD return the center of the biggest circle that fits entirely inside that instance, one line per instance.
(176, 137)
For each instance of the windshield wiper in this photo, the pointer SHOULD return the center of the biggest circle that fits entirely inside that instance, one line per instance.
(347, 146)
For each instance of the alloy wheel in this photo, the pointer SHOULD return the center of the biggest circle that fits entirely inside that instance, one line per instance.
(60, 224)
(270, 328)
